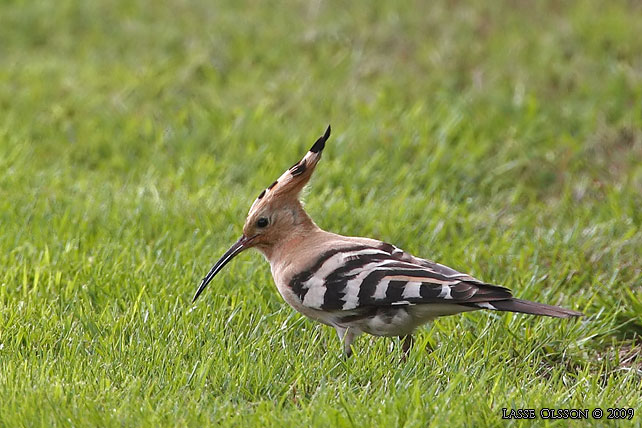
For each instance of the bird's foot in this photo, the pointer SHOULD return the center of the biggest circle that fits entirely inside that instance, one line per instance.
(406, 344)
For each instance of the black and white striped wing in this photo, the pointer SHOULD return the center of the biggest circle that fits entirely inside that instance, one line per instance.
(385, 276)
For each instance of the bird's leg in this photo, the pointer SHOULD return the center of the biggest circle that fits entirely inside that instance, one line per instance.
(351, 334)
(347, 336)
(406, 345)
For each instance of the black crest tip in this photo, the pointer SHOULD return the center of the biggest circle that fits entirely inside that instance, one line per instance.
(320, 143)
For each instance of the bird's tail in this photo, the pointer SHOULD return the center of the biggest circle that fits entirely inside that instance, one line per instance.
(534, 308)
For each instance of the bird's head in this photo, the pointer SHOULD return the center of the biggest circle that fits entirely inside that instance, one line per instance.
(276, 213)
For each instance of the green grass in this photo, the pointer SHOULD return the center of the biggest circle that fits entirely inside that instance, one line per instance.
(504, 140)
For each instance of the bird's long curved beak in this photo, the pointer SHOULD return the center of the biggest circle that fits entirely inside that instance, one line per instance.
(239, 246)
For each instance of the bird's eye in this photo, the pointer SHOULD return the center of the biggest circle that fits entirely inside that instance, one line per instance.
(262, 222)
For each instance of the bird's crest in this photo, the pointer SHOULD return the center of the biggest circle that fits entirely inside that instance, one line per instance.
(292, 181)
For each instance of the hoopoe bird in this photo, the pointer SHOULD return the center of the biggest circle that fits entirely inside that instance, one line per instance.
(357, 285)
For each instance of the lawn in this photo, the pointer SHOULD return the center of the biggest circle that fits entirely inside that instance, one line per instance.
(502, 139)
